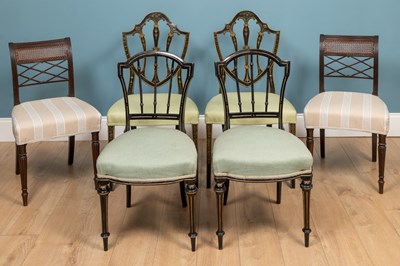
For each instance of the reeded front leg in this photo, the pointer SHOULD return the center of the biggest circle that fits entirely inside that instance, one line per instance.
(71, 144)
(191, 191)
(23, 166)
(195, 134)
(382, 157)
(306, 186)
(209, 140)
(103, 189)
(219, 189)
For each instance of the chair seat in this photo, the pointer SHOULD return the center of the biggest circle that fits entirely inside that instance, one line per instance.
(54, 117)
(214, 112)
(260, 153)
(347, 110)
(116, 113)
(148, 155)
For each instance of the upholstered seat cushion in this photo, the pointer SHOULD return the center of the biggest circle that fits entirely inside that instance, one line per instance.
(214, 112)
(148, 155)
(54, 117)
(347, 110)
(257, 152)
(116, 113)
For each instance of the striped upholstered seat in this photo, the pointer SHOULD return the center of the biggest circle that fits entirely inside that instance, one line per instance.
(347, 110)
(54, 117)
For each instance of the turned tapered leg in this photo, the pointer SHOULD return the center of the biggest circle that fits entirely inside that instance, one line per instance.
(191, 191)
(322, 142)
(219, 189)
(23, 169)
(103, 189)
(209, 141)
(381, 159)
(71, 144)
(183, 194)
(195, 135)
(306, 186)
(292, 130)
(278, 192)
(111, 132)
(374, 147)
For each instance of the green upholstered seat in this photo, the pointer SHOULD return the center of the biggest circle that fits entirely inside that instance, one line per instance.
(255, 152)
(214, 112)
(116, 113)
(148, 155)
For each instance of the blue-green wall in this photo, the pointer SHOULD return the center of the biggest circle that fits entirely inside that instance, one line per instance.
(95, 28)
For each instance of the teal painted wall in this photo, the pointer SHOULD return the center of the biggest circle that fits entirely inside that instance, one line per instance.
(95, 28)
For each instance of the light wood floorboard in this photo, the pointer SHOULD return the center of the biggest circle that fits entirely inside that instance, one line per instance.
(351, 223)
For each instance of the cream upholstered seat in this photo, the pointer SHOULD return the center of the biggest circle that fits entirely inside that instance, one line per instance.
(151, 155)
(349, 58)
(250, 153)
(228, 40)
(42, 64)
(164, 36)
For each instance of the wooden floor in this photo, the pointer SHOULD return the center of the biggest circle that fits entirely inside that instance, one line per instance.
(351, 223)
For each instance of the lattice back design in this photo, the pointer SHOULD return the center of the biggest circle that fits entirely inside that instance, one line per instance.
(353, 57)
(43, 62)
(160, 100)
(249, 98)
(155, 32)
(243, 36)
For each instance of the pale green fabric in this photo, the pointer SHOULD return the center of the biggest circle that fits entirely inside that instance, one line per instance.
(256, 152)
(116, 113)
(214, 112)
(148, 155)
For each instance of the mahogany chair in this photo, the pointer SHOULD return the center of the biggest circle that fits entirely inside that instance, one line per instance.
(151, 155)
(48, 64)
(251, 153)
(349, 63)
(246, 30)
(155, 32)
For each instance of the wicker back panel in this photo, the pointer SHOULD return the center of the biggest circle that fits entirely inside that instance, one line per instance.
(357, 46)
(57, 51)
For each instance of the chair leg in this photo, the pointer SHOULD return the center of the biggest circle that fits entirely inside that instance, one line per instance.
(95, 150)
(226, 191)
(191, 191)
(209, 154)
(278, 192)
(382, 156)
(183, 194)
(71, 144)
(23, 169)
(219, 189)
(310, 139)
(17, 172)
(111, 132)
(322, 142)
(374, 146)
(128, 196)
(103, 189)
(306, 186)
(195, 135)
(292, 129)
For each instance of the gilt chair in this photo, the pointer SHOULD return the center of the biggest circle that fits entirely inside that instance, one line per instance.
(244, 31)
(151, 155)
(47, 65)
(349, 63)
(254, 153)
(155, 32)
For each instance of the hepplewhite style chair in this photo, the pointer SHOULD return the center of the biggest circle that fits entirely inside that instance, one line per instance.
(349, 58)
(237, 35)
(155, 32)
(250, 153)
(44, 64)
(151, 155)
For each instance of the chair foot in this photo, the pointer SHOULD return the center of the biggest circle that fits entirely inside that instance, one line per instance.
(220, 235)
(307, 232)
(105, 240)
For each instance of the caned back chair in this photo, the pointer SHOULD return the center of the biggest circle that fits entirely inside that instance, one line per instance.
(353, 103)
(251, 153)
(151, 155)
(155, 32)
(47, 64)
(246, 30)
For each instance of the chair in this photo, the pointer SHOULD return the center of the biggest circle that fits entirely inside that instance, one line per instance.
(141, 38)
(151, 155)
(251, 153)
(242, 24)
(47, 64)
(350, 63)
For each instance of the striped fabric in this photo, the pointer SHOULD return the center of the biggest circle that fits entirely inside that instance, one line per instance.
(347, 110)
(54, 117)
